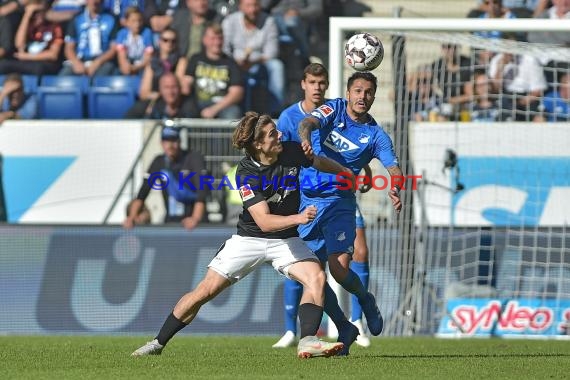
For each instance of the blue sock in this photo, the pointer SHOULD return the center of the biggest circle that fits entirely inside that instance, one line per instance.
(353, 285)
(292, 291)
(363, 272)
(332, 307)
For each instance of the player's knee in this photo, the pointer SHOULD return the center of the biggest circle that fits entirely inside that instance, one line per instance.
(320, 279)
(315, 281)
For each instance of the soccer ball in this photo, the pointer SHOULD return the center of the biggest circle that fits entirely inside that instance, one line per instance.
(363, 52)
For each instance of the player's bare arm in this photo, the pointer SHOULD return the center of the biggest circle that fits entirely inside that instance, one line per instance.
(396, 175)
(307, 126)
(269, 222)
(327, 165)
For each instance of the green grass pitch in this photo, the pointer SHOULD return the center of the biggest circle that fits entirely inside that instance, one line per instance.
(191, 357)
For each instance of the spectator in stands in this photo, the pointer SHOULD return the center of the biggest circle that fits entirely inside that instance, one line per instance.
(118, 8)
(169, 104)
(11, 13)
(252, 39)
(6, 39)
(63, 11)
(159, 13)
(449, 75)
(134, 44)
(213, 79)
(560, 10)
(519, 80)
(521, 8)
(422, 100)
(484, 106)
(142, 217)
(14, 103)
(185, 205)
(492, 9)
(293, 18)
(556, 103)
(190, 24)
(88, 48)
(165, 59)
(38, 44)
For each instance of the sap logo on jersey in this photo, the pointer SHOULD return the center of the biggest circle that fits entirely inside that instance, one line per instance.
(339, 143)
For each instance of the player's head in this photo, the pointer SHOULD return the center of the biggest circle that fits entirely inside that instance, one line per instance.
(360, 91)
(170, 141)
(257, 134)
(315, 83)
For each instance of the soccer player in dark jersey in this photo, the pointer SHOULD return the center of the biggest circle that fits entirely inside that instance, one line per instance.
(315, 83)
(266, 233)
(348, 134)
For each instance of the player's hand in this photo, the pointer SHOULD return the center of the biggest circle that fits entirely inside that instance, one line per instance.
(189, 223)
(307, 149)
(308, 215)
(396, 202)
(349, 175)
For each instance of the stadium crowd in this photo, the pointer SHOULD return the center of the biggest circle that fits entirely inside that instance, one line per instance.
(252, 59)
(238, 66)
(483, 85)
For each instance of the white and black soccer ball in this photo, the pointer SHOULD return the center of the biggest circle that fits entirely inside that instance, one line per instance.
(364, 52)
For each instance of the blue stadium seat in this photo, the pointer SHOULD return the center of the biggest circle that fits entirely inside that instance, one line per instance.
(118, 82)
(80, 82)
(30, 83)
(60, 103)
(109, 103)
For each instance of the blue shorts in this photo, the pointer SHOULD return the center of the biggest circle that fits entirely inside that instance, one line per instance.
(334, 228)
(359, 219)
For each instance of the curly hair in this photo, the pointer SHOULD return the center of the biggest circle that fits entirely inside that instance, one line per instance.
(250, 130)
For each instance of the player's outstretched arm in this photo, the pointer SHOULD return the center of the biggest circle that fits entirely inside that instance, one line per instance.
(327, 165)
(269, 222)
(307, 126)
(397, 179)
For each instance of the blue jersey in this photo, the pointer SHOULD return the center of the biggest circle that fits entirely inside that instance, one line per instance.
(555, 107)
(351, 144)
(288, 122)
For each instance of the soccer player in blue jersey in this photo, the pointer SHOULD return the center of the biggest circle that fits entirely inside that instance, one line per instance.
(315, 83)
(342, 129)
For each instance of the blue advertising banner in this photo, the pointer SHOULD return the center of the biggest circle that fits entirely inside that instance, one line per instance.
(528, 317)
(108, 280)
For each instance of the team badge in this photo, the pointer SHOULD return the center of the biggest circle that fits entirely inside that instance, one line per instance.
(246, 193)
(363, 139)
(324, 110)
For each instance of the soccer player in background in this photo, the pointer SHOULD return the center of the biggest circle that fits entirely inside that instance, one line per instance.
(266, 233)
(348, 134)
(315, 83)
